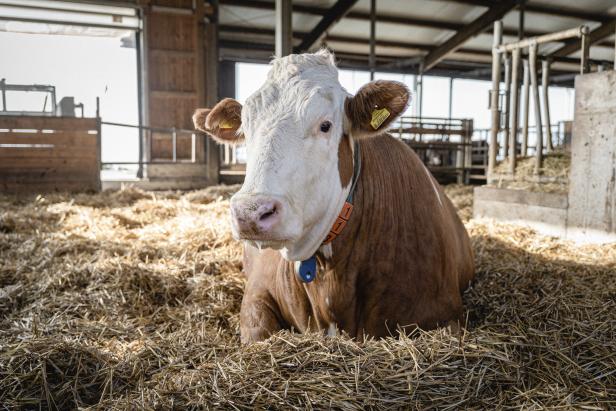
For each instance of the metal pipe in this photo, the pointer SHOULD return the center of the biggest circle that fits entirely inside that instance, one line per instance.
(421, 90)
(535, 86)
(521, 20)
(514, 107)
(584, 59)
(507, 104)
(283, 34)
(546, 38)
(450, 112)
(3, 87)
(545, 73)
(496, 73)
(526, 96)
(372, 56)
(138, 49)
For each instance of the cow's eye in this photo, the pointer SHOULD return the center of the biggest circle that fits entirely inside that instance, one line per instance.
(325, 126)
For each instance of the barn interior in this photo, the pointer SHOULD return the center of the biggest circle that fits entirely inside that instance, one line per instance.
(120, 283)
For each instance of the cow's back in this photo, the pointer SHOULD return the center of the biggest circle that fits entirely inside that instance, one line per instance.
(410, 251)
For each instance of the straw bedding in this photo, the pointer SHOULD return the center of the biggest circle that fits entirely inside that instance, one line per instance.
(130, 300)
(554, 174)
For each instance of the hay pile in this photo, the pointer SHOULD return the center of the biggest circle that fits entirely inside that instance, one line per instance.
(554, 175)
(130, 300)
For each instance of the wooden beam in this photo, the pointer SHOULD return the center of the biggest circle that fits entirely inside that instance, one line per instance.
(598, 34)
(335, 13)
(381, 18)
(481, 23)
(543, 9)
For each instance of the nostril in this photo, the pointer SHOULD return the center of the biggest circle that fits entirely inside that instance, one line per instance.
(269, 213)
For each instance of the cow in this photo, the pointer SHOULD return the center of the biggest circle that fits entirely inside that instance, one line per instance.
(344, 228)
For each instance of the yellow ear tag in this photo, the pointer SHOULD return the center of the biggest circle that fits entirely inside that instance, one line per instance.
(378, 117)
(225, 124)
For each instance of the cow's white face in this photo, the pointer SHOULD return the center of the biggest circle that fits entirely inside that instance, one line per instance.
(298, 129)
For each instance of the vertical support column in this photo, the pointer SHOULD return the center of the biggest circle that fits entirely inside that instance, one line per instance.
(284, 28)
(522, 9)
(450, 111)
(526, 96)
(420, 98)
(139, 53)
(584, 59)
(496, 73)
(507, 102)
(211, 88)
(514, 106)
(535, 86)
(469, 150)
(372, 56)
(545, 80)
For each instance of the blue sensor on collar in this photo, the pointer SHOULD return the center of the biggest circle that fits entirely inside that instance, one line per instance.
(308, 269)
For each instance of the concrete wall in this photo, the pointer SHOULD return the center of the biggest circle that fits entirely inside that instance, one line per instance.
(592, 192)
(544, 212)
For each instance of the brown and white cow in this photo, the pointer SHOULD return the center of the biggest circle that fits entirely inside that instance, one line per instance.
(404, 256)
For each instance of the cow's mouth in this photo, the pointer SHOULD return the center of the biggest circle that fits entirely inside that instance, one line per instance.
(262, 244)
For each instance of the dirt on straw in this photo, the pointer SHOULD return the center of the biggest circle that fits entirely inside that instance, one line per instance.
(554, 175)
(130, 300)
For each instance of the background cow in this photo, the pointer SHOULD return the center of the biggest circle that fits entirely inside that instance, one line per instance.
(404, 256)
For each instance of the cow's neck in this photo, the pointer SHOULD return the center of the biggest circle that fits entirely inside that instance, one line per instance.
(308, 269)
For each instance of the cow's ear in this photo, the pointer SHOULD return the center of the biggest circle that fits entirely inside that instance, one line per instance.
(221, 122)
(375, 106)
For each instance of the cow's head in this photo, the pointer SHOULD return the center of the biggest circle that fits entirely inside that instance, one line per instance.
(299, 129)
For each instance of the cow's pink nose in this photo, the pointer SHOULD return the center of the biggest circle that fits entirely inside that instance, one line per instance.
(255, 217)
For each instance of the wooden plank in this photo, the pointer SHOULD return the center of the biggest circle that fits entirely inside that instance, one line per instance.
(171, 32)
(70, 139)
(172, 111)
(45, 176)
(170, 72)
(25, 163)
(35, 187)
(43, 153)
(47, 123)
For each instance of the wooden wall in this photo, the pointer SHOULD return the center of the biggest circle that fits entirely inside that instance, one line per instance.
(46, 154)
(174, 50)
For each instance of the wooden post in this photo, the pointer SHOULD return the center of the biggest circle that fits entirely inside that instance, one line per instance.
(514, 107)
(507, 102)
(545, 79)
(584, 61)
(526, 96)
(535, 86)
(284, 28)
(496, 73)
(211, 89)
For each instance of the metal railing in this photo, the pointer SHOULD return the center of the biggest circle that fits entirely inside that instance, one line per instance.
(50, 91)
(145, 146)
(511, 54)
(443, 144)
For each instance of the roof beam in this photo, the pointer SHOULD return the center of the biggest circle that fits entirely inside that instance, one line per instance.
(598, 34)
(335, 13)
(481, 23)
(381, 18)
(543, 9)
